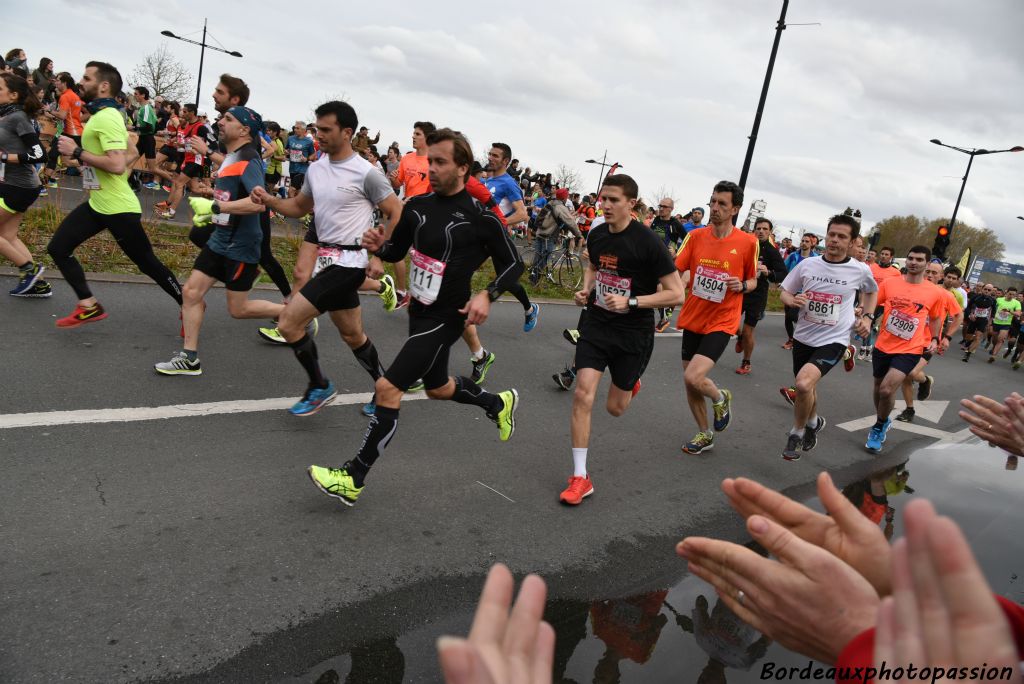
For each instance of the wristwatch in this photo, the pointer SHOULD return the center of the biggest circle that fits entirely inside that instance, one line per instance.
(743, 286)
(868, 316)
(77, 154)
(215, 207)
(633, 303)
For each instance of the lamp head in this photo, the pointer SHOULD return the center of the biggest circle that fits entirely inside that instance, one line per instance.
(935, 141)
(169, 34)
(590, 161)
(235, 53)
(1017, 148)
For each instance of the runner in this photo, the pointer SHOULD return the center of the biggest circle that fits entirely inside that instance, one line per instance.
(413, 178)
(953, 316)
(232, 252)
(806, 251)
(105, 164)
(145, 126)
(669, 229)
(1007, 310)
(770, 269)
(451, 235)
(882, 270)
(345, 187)
(300, 154)
(913, 320)
(19, 183)
(620, 288)
(191, 174)
(719, 265)
(979, 312)
(68, 115)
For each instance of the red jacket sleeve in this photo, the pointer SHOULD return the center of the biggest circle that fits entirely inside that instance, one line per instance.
(481, 194)
(860, 652)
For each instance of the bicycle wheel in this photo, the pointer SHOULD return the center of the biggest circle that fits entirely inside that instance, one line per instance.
(528, 256)
(570, 272)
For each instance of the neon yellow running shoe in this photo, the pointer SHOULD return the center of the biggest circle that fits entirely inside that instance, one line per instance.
(506, 418)
(388, 296)
(335, 482)
(272, 335)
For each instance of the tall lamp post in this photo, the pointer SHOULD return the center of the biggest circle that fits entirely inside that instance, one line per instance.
(202, 53)
(971, 153)
(603, 164)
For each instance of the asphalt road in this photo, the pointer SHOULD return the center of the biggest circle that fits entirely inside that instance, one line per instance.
(196, 547)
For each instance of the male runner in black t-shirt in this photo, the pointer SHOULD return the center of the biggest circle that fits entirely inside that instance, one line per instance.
(451, 235)
(977, 316)
(620, 290)
(770, 269)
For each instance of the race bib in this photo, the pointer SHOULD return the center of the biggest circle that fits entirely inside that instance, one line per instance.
(89, 179)
(425, 277)
(823, 308)
(327, 256)
(709, 283)
(221, 219)
(198, 159)
(901, 325)
(981, 313)
(296, 156)
(609, 284)
(188, 145)
(181, 142)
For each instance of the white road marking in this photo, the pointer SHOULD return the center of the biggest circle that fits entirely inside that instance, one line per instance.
(128, 415)
(494, 490)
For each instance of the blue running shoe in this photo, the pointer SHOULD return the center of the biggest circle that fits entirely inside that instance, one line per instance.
(371, 407)
(531, 318)
(28, 281)
(885, 429)
(314, 399)
(875, 438)
(723, 411)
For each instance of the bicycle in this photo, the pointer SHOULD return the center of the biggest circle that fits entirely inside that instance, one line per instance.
(564, 267)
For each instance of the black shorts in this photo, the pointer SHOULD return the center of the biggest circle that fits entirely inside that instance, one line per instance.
(170, 152)
(624, 353)
(272, 178)
(710, 344)
(147, 146)
(1000, 327)
(237, 276)
(425, 354)
(296, 180)
(192, 170)
(753, 309)
(336, 288)
(824, 358)
(17, 200)
(311, 233)
(978, 325)
(882, 362)
(927, 356)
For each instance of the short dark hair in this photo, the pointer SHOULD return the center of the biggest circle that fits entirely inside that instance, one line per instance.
(110, 74)
(771, 226)
(236, 87)
(921, 249)
(462, 152)
(476, 168)
(190, 107)
(425, 126)
(730, 187)
(175, 107)
(955, 270)
(343, 113)
(844, 220)
(273, 127)
(143, 91)
(1011, 288)
(890, 250)
(626, 183)
(67, 79)
(505, 149)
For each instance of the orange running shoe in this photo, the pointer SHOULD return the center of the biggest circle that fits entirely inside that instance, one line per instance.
(81, 316)
(636, 388)
(744, 368)
(579, 488)
(789, 394)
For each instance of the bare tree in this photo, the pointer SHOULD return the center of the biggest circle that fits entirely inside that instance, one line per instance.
(567, 177)
(661, 193)
(163, 75)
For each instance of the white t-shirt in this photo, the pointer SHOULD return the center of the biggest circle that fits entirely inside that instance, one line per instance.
(344, 195)
(830, 287)
(598, 220)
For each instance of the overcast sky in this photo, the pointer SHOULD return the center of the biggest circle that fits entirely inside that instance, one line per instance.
(668, 87)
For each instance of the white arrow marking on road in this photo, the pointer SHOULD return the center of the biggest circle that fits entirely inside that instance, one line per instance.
(125, 415)
(929, 410)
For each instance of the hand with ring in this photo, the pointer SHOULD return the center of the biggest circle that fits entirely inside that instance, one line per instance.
(998, 424)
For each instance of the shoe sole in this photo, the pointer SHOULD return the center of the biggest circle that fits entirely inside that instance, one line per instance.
(323, 403)
(272, 340)
(179, 372)
(29, 295)
(922, 396)
(78, 324)
(35, 279)
(512, 415)
(487, 367)
(568, 338)
(339, 497)
(559, 383)
(528, 327)
(576, 503)
(709, 447)
(790, 455)
(873, 450)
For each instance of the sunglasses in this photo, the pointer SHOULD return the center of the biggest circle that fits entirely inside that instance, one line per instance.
(663, 206)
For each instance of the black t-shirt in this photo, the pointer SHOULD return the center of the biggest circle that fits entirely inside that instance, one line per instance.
(980, 303)
(669, 230)
(629, 263)
(459, 232)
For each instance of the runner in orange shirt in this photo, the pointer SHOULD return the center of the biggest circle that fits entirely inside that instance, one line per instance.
(954, 314)
(882, 270)
(718, 264)
(914, 313)
(412, 177)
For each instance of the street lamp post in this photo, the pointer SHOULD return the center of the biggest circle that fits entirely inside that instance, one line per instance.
(202, 53)
(603, 164)
(971, 153)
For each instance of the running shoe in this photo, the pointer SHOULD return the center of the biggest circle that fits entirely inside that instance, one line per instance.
(906, 415)
(151, 185)
(314, 399)
(1016, 364)
(886, 427)
(167, 214)
(702, 441)
(166, 188)
(636, 389)
(867, 356)
(722, 411)
(849, 360)
(794, 445)
(662, 325)
(403, 299)
(481, 367)
(967, 357)
(571, 335)
(28, 281)
(924, 389)
(744, 368)
(417, 386)
(789, 394)
(388, 295)
(51, 183)
(335, 482)
(179, 365)
(862, 353)
(788, 344)
(875, 439)
(272, 335)
(811, 434)
(579, 488)
(81, 316)
(370, 407)
(531, 318)
(506, 418)
(162, 205)
(40, 290)
(1009, 350)
(43, 192)
(991, 358)
(564, 379)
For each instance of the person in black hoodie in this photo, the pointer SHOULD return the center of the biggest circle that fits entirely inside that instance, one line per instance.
(770, 269)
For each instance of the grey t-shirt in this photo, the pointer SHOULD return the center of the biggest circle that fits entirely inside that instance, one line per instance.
(12, 127)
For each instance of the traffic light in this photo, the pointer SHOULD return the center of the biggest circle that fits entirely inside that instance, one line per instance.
(941, 242)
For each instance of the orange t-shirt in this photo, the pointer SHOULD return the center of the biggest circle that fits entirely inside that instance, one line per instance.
(882, 274)
(909, 309)
(71, 103)
(710, 306)
(413, 173)
(950, 306)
